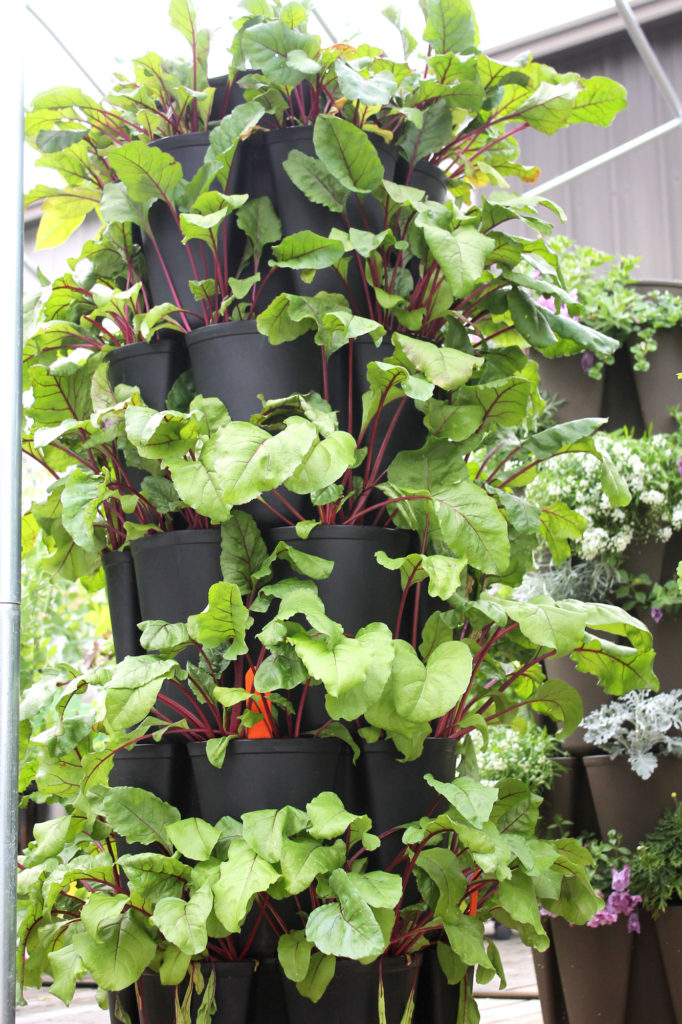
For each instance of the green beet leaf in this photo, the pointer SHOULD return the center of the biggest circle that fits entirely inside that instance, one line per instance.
(139, 816)
(347, 152)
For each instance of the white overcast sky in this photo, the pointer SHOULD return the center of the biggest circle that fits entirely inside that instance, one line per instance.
(129, 28)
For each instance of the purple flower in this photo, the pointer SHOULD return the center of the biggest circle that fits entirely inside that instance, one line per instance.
(657, 614)
(679, 465)
(633, 922)
(602, 917)
(587, 361)
(620, 880)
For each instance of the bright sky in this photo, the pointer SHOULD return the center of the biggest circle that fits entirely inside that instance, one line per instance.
(132, 27)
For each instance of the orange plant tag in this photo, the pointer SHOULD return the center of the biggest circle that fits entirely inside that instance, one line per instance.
(261, 730)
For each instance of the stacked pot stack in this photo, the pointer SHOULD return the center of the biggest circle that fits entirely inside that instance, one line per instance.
(166, 576)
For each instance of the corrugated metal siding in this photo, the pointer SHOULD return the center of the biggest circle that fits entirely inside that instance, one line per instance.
(633, 204)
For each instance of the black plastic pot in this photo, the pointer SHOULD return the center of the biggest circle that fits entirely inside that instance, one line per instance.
(424, 175)
(127, 1001)
(162, 769)
(352, 994)
(267, 995)
(396, 792)
(298, 213)
(174, 571)
(152, 366)
(228, 95)
(172, 265)
(263, 773)
(436, 1002)
(124, 607)
(234, 982)
(235, 363)
(399, 425)
(358, 590)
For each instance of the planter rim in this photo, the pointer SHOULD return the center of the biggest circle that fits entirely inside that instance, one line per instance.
(145, 750)
(205, 535)
(305, 131)
(657, 284)
(263, 747)
(139, 349)
(387, 746)
(337, 531)
(598, 760)
(110, 558)
(244, 966)
(181, 141)
(433, 170)
(210, 331)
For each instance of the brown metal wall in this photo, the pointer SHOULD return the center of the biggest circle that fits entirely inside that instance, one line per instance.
(633, 204)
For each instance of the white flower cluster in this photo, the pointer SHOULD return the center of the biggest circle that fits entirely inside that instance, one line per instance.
(651, 467)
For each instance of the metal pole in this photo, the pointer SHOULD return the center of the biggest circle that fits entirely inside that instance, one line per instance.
(10, 513)
(604, 158)
(646, 52)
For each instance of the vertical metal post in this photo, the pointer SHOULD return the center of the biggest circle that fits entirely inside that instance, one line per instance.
(10, 508)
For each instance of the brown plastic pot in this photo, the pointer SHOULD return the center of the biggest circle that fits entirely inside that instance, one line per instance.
(565, 379)
(669, 934)
(625, 802)
(659, 387)
(594, 966)
(550, 992)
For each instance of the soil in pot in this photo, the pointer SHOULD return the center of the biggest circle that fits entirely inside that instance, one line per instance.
(234, 982)
(594, 966)
(626, 802)
(352, 994)
(152, 366)
(259, 774)
(396, 792)
(124, 607)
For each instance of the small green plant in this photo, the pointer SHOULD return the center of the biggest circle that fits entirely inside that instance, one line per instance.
(657, 863)
(524, 752)
(608, 301)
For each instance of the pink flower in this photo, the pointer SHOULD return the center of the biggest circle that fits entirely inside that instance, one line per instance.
(620, 880)
(633, 922)
(657, 614)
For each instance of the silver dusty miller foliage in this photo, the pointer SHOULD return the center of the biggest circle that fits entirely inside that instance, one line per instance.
(638, 726)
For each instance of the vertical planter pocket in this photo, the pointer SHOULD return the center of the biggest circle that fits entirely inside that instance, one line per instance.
(658, 387)
(396, 792)
(669, 934)
(152, 366)
(627, 803)
(261, 774)
(235, 363)
(353, 993)
(234, 982)
(124, 606)
(594, 964)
